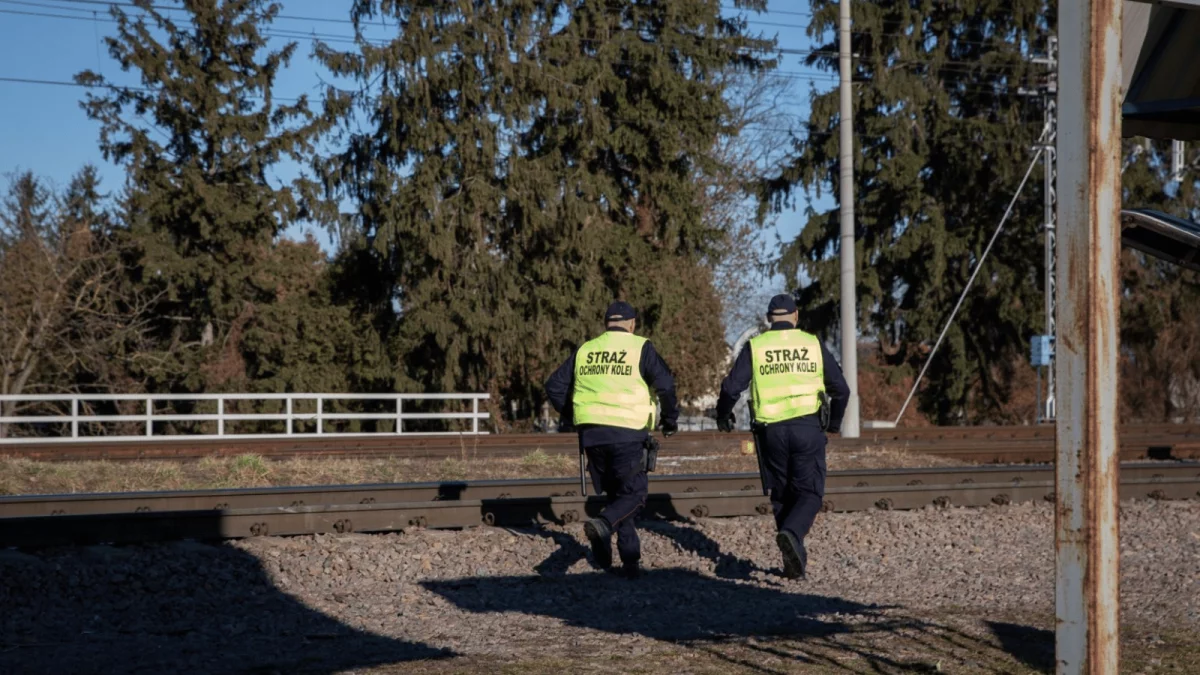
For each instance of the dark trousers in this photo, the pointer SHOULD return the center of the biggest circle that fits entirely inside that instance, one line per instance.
(617, 471)
(794, 456)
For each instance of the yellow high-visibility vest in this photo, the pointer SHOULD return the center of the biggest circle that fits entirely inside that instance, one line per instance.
(609, 388)
(788, 375)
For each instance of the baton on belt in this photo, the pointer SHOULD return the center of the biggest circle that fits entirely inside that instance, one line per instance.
(758, 431)
(582, 469)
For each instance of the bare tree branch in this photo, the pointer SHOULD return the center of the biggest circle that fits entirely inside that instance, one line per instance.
(63, 306)
(754, 149)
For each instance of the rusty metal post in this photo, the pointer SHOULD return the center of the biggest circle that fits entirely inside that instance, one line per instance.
(1089, 200)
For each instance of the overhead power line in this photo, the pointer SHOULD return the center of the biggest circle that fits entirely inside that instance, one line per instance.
(88, 13)
(294, 35)
(769, 10)
(287, 34)
(286, 17)
(319, 19)
(284, 99)
(89, 4)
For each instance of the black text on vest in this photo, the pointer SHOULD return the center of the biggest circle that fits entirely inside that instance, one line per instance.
(785, 355)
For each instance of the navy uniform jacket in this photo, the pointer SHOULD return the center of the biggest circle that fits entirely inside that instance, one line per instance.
(654, 371)
(835, 386)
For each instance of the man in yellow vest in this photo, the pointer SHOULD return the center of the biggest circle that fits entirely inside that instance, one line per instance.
(604, 388)
(790, 374)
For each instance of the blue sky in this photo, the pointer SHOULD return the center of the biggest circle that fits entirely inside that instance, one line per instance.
(43, 129)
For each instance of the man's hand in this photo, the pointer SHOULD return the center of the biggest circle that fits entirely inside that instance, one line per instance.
(726, 423)
(669, 428)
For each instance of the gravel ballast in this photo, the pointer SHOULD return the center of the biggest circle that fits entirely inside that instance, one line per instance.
(962, 590)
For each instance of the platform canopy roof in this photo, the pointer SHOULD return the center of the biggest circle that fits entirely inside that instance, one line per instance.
(1160, 54)
(1160, 57)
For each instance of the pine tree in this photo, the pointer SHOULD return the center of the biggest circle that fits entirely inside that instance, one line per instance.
(943, 135)
(198, 140)
(1160, 302)
(526, 163)
(622, 144)
(28, 261)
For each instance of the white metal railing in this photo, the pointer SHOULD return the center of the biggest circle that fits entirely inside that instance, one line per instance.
(10, 419)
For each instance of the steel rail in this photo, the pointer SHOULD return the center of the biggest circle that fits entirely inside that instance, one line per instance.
(1011, 432)
(981, 452)
(984, 446)
(296, 496)
(364, 512)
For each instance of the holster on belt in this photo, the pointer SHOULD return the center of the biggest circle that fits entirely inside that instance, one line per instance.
(650, 453)
(824, 412)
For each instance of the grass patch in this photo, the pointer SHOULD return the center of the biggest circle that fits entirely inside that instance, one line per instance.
(550, 465)
(252, 467)
(454, 469)
(23, 476)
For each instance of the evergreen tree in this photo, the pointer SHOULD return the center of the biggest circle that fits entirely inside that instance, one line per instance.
(527, 162)
(199, 203)
(1160, 302)
(943, 135)
(303, 339)
(26, 236)
(27, 208)
(622, 146)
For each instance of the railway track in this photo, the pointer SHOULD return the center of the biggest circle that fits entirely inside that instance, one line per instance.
(973, 444)
(53, 520)
(964, 442)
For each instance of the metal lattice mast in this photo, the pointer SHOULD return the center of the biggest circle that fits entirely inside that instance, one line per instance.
(1050, 227)
(1177, 160)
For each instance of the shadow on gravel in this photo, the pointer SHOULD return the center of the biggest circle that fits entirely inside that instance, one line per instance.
(570, 550)
(1033, 646)
(726, 565)
(670, 605)
(742, 624)
(185, 607)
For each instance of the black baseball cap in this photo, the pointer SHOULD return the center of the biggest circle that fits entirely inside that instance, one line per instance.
(781, 304)
(620, 311)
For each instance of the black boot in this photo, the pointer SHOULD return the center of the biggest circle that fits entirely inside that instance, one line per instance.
(631, 569)
(795, 558)
(600, 535)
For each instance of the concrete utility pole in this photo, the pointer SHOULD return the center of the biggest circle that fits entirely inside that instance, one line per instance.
(1089, 203)
(850, 424)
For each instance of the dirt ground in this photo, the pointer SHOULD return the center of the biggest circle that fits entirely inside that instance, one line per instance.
(893, 645)
(953, 590)
(22, 476)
